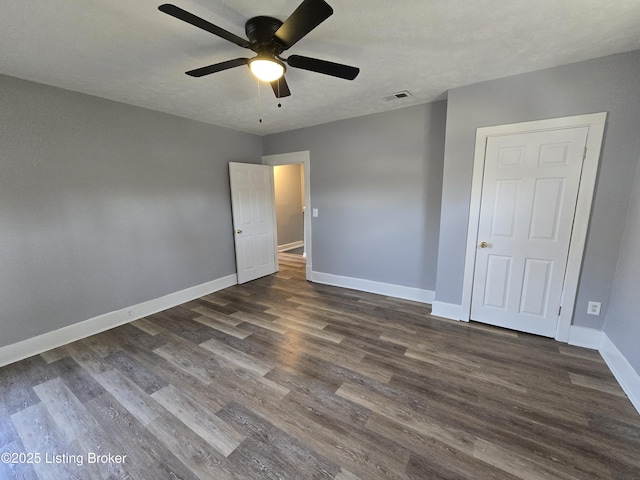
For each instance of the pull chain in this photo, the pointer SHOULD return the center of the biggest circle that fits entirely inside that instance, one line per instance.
(259, 101)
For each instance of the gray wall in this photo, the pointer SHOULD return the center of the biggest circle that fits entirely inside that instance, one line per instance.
(105, 205)
(606, 84)
(623, 318)
(289, 195)
(376, 181)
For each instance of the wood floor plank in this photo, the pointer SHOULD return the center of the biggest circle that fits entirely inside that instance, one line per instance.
(200, 419)
(8, 432)
(223, 327)
(40, 434)
(191, 449)
(147, 456)
(141, 376)
(296, 316)
(146, 326)
(180, 379)
(259, 321)
(237, 357)
(130, 334)
(15, 470)
(433, 458)
(84, 434)
(132, 397)
(56, 354)
(603, 386)
(70, 415)
(194, 369)
(84, 356)
(224, 375)
(270, 452)
(518, 465)
(17, 380)
(344, 474)
(212, 314)
(402, 412)
(476, 371)
(314, 332)
(318, 397)
(342, 443)
(77, 379)
(342, 357)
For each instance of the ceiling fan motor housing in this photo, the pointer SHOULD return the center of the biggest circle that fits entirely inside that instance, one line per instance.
(260, 32)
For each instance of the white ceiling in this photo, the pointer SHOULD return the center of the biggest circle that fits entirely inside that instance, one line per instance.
(131, 52)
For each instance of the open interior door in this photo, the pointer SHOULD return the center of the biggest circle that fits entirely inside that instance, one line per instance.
(252, 202)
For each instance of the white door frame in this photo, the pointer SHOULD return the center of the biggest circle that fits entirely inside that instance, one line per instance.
(596, 123)
(303, 157)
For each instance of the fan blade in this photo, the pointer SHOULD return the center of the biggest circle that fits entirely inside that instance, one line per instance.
(305, 18)
(185, 16)
(280, 88)
(217, 67)
(323, 66)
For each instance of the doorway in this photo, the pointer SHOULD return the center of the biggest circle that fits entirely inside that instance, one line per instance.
(531, 195)
(288, 184)
(303, 160)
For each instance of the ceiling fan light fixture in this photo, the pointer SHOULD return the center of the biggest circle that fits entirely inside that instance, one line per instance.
(266, 68)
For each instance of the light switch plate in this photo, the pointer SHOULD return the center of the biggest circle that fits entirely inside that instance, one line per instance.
(314, 212)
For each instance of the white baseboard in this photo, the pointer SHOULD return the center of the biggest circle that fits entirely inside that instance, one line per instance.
(309, 272)
(370, 286)
(626, 376)
(285, 247)
(585, 337)
(446, 310)
(57, 338)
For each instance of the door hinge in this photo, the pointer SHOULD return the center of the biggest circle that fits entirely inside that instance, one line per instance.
(559, 310)
(584, 155)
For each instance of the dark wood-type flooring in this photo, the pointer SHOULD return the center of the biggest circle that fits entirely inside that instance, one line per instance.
(281, 378)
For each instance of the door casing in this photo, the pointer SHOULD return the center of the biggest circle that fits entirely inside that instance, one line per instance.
(596, 123)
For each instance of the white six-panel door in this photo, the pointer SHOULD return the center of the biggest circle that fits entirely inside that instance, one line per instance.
(529, 192)
(253, 220)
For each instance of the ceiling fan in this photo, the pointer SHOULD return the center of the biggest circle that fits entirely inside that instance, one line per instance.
(268, 37)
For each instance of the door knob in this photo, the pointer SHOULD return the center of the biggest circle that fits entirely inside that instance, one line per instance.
(484, 244)
(238, 231)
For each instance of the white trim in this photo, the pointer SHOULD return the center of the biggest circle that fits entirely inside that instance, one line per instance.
(292, 158)
(387, 289)
(626, 376)
(57, 338)
(447, 310)
(596, 123)
(285, 247)
(585, 337)
(580, 225)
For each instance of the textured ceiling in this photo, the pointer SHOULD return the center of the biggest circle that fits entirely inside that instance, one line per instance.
(131, 52)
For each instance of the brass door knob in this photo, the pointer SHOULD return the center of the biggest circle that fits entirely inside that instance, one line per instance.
(238, 231)
(484, 244)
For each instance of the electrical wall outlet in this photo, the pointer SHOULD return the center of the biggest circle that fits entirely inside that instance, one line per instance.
(593, 308)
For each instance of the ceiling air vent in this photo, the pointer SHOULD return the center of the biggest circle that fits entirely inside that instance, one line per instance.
(397, 95)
